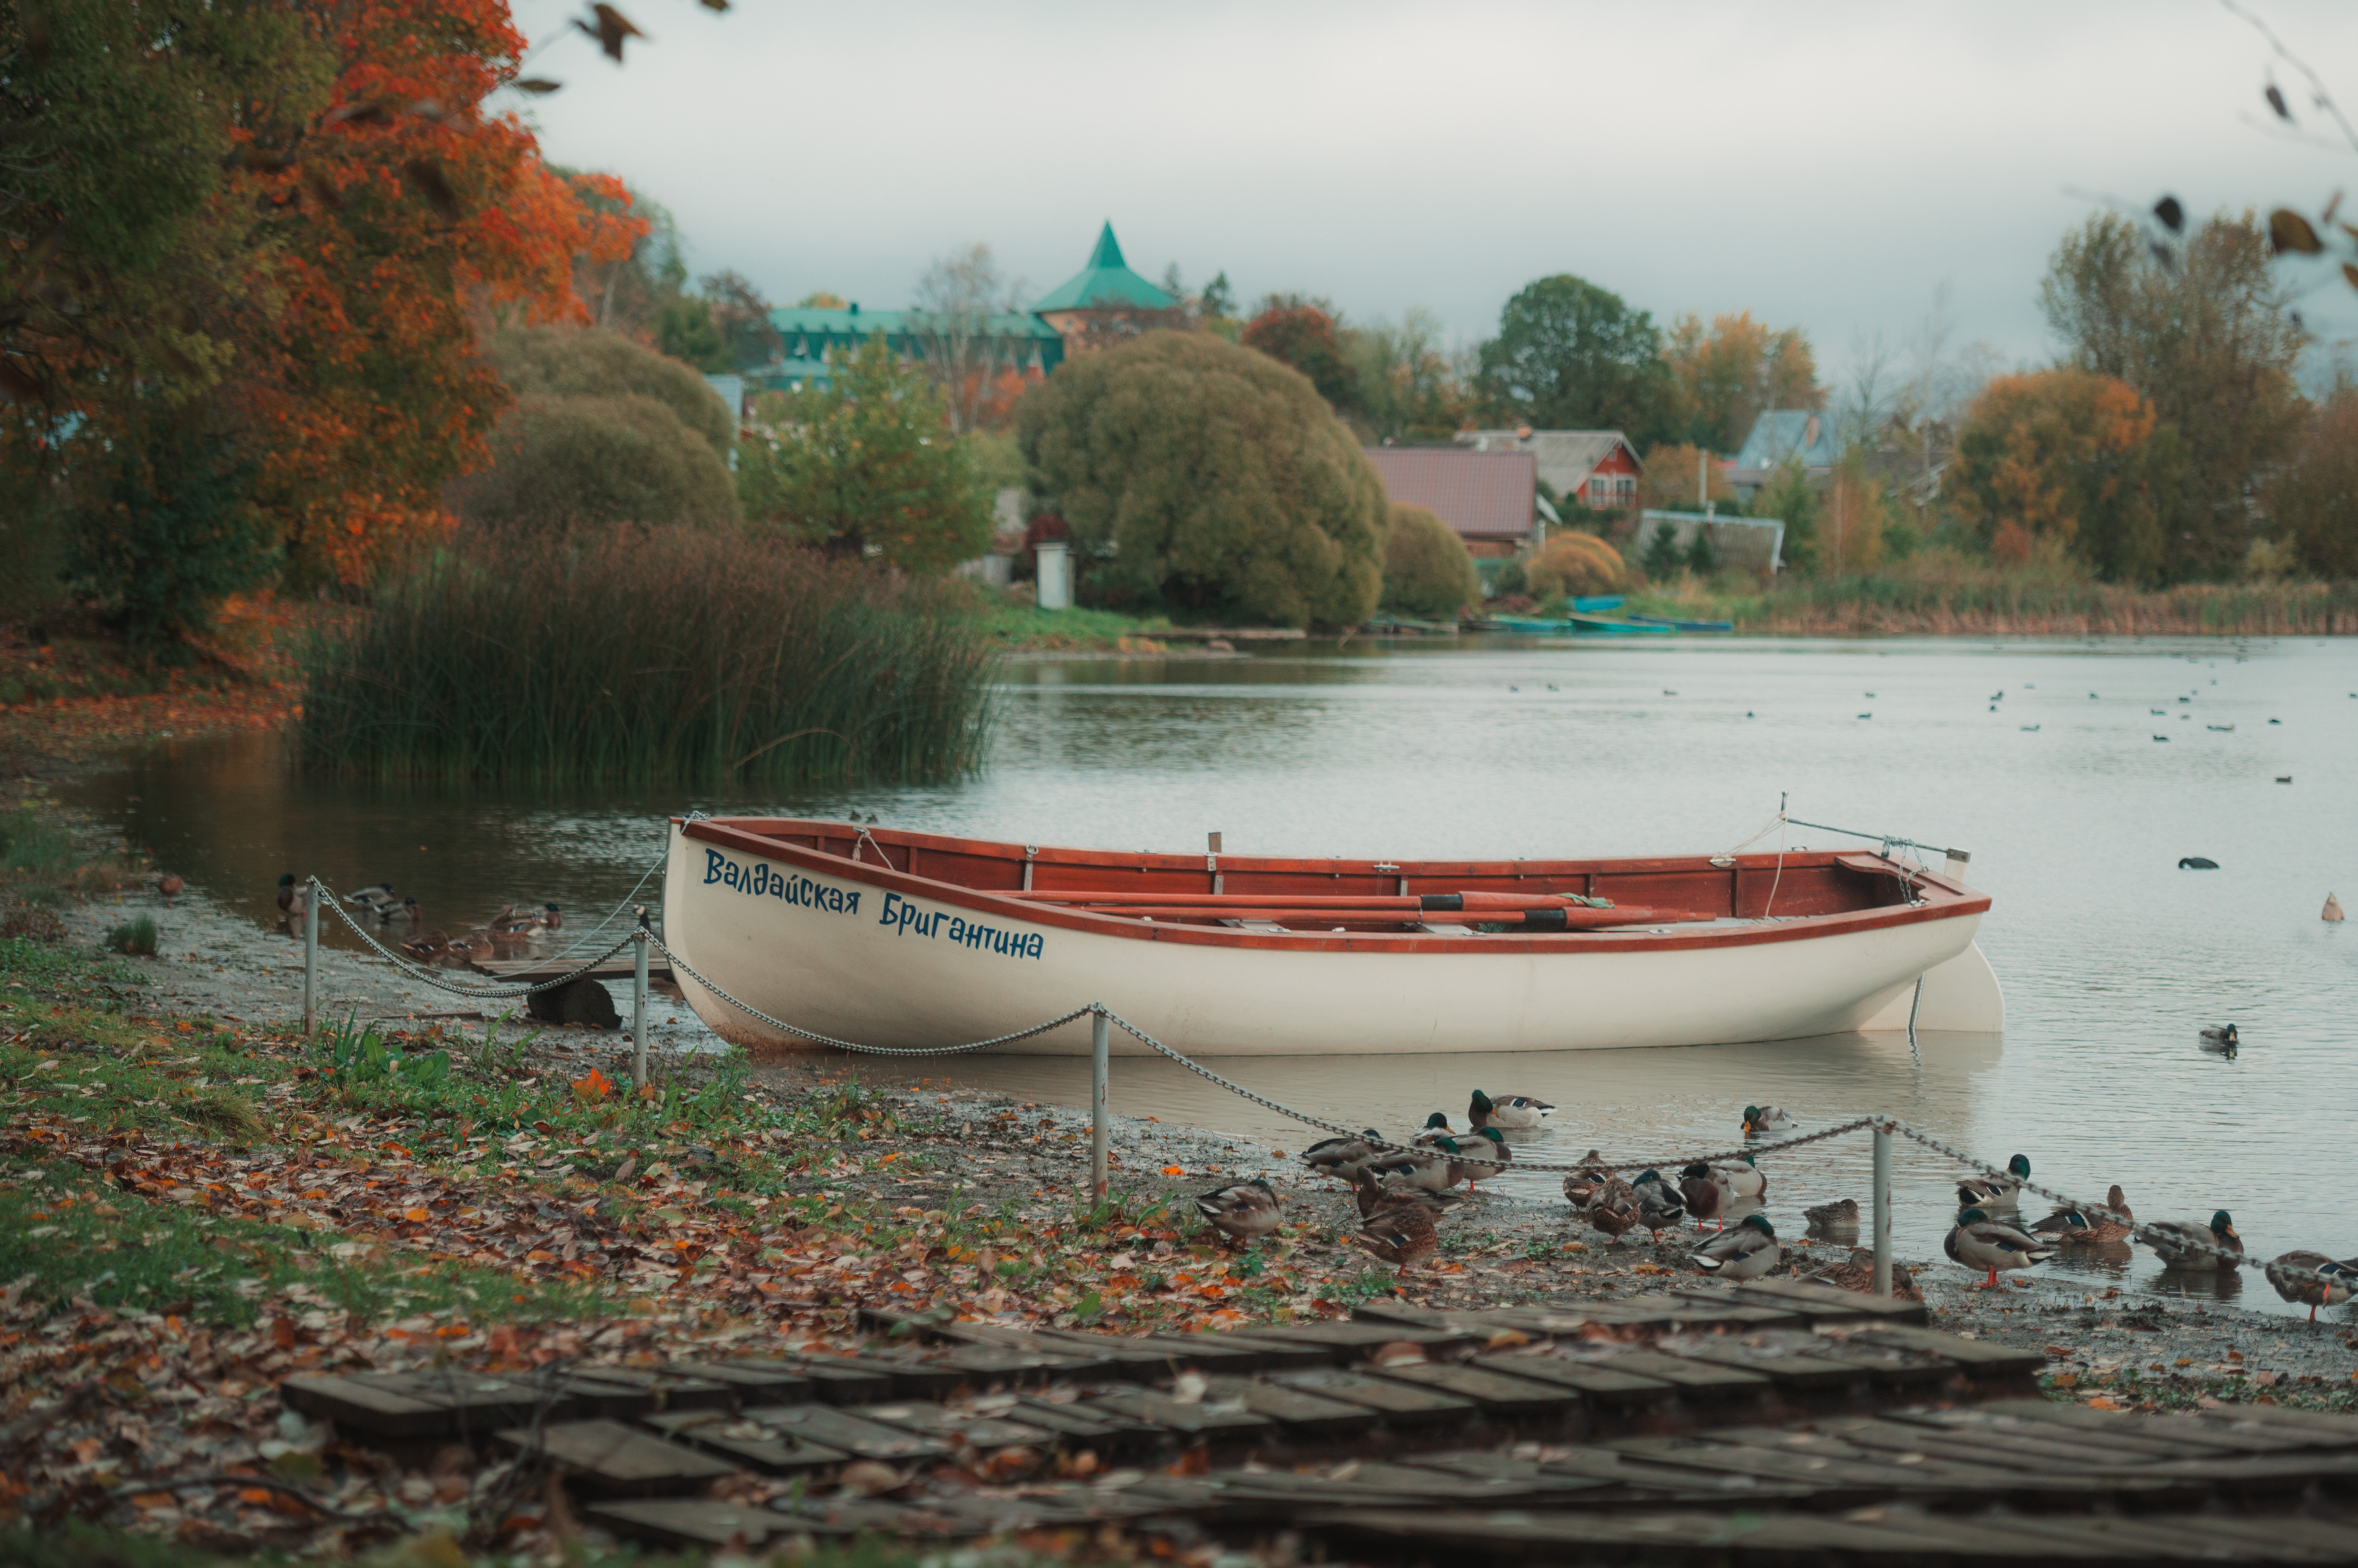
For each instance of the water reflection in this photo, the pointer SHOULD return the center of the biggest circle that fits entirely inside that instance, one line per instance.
(2112, 958)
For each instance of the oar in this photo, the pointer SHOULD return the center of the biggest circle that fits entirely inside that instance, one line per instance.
(1557, 919)
(1451, 902)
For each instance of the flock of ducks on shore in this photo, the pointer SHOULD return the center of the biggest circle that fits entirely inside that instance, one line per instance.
(505, 933)
(1401, 1190)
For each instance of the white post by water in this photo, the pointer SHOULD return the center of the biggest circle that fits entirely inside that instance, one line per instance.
(639, 1003)
(1882, 1210)
(1100, 1050)
(310, 955)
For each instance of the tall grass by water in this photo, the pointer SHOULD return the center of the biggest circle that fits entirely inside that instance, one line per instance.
(632, 657)
(1940, 594)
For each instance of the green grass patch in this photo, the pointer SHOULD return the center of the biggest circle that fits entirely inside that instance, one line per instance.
(1028, 626)
(40, 864)
(76, 1237)
(134, 938)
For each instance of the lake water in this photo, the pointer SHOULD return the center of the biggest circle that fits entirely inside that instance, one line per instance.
(2111, 956)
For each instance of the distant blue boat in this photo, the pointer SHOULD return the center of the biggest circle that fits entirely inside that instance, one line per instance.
(1678, 625)
(1599, 604)
(1580, 626)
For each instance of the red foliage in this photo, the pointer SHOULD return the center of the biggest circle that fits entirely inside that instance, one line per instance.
(405, 217)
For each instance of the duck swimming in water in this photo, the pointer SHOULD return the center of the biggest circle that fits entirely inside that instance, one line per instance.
(1996, 1192)
(1518, 1113)
(1767, 1119)
(2182, 1245)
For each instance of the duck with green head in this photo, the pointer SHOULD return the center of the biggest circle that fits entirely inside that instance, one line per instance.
(1996, 1192)
(1759, 1119)
(1517, 1113)
(1345, 1157)
(1745, 1252)
(1486, 1154)
(1661, 1207)
(2181, 1244)
(1744, 1181)
(1978, 1241)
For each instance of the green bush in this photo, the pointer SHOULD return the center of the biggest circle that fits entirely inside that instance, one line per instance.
(1196, 475)
(560, 361)
(563, 462)
(133, 936)
(167, 531)
(1427, 570)
(664, 657)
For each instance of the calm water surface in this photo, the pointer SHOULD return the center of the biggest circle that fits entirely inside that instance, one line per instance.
(2111, 956)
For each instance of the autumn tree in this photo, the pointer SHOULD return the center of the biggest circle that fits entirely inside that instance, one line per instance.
(284, 212)
(1406, 385)
(1682, 479)
(1201, 476)
(1303, 333)
(2211, 341)
(1572, 356)
(959, 323)
(1726, 374)
(2314, 500)
(1427, 570)
(2075, 458)
(865, 466)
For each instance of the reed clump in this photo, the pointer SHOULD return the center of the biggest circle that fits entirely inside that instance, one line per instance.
(1939, 593)
(663, 656)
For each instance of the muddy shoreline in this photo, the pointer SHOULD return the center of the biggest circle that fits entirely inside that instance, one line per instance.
(1031, 1158)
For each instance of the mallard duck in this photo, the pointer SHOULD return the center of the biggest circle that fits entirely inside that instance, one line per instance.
(375, 900)
(1343, 1157)
(1980, 1242)
(2219, 1037)
(1519, 1112)
(1428, 1165)
(1858, 1274)
(1581, 1186)
(551, 917)
(511, 920)
(1767, 1119)
(1745, 1252)
(2181, 1244)
(1745, 1180)
(1702, 1195)
(2335, 1287)
(409, 914)
(1833, 1216)
(2089, 1226)
(1400, 1234)
(1488, 1154)
(1613, 1209)
(1372, 1193)
(1996, 1192)
(1242, 1211)
(1659, 1205)
(290, 897)
(1436, 1128)
(170, 884)
(429, 947)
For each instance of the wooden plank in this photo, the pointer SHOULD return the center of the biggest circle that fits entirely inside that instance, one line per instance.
(913, 1374)
(2022, 1451)
(1500, 1393)
(1640, 1477)
(480, 1401)
(756, 1445)
(365, 1405)
(1834, 1479)
(1786, 1369)
(2172, 1434)
(1122, 1356)
(987, 1366)
(1296, 1410)
(690, 1521)
(1355, 1339)
(1200, 1419)
(840, 1381)
(1978, 1357)
(1602, 1382)
(618, 1460)
(1830, 1304)
(1695, 1380)
(2322, 1428)
(1667, 1309)
(1400, 1403)
(659, 1389)
(1886, 1364)
(854, 1435)
(757, 1381)
(1219, 1353)
(1106, 1431)
(973, 1428)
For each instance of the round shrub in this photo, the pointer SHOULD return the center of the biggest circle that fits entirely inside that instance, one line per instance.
(1574, 564)
(1426, 569)
(561, 462)
(559, 362)
(1196, 475)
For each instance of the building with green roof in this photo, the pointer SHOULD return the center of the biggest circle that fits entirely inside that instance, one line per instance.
(1031, 342)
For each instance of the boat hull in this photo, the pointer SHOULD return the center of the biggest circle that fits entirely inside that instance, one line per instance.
(862, 953)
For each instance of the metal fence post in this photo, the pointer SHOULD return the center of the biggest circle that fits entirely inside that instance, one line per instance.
(1882, 1209)
(310, 955)
(1100, 1050)
(639, 1003)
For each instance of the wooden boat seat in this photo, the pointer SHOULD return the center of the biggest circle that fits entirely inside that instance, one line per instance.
(1256, 925)
(1440, 929)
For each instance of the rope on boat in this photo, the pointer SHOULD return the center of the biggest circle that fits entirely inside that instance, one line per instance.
(424, 976)
(2175, 1241)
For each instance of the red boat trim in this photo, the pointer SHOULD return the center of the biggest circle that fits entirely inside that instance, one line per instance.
(1946, 899)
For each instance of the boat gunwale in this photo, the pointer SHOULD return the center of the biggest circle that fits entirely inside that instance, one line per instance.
(1945, 898)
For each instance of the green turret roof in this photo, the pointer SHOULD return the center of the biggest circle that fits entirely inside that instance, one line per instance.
(1106, 283)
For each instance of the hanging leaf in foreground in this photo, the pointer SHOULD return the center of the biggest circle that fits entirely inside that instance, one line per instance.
(2289, 231)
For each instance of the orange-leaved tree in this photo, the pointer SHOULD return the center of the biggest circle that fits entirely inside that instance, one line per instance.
(2074, 458)
(404, 217)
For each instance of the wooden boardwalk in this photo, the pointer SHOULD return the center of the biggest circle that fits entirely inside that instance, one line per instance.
(1771, 1423)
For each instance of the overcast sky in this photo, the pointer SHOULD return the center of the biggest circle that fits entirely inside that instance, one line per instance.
(1827, 165)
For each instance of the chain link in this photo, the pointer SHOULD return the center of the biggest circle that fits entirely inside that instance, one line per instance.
(424, 976)
(1878, 1122)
